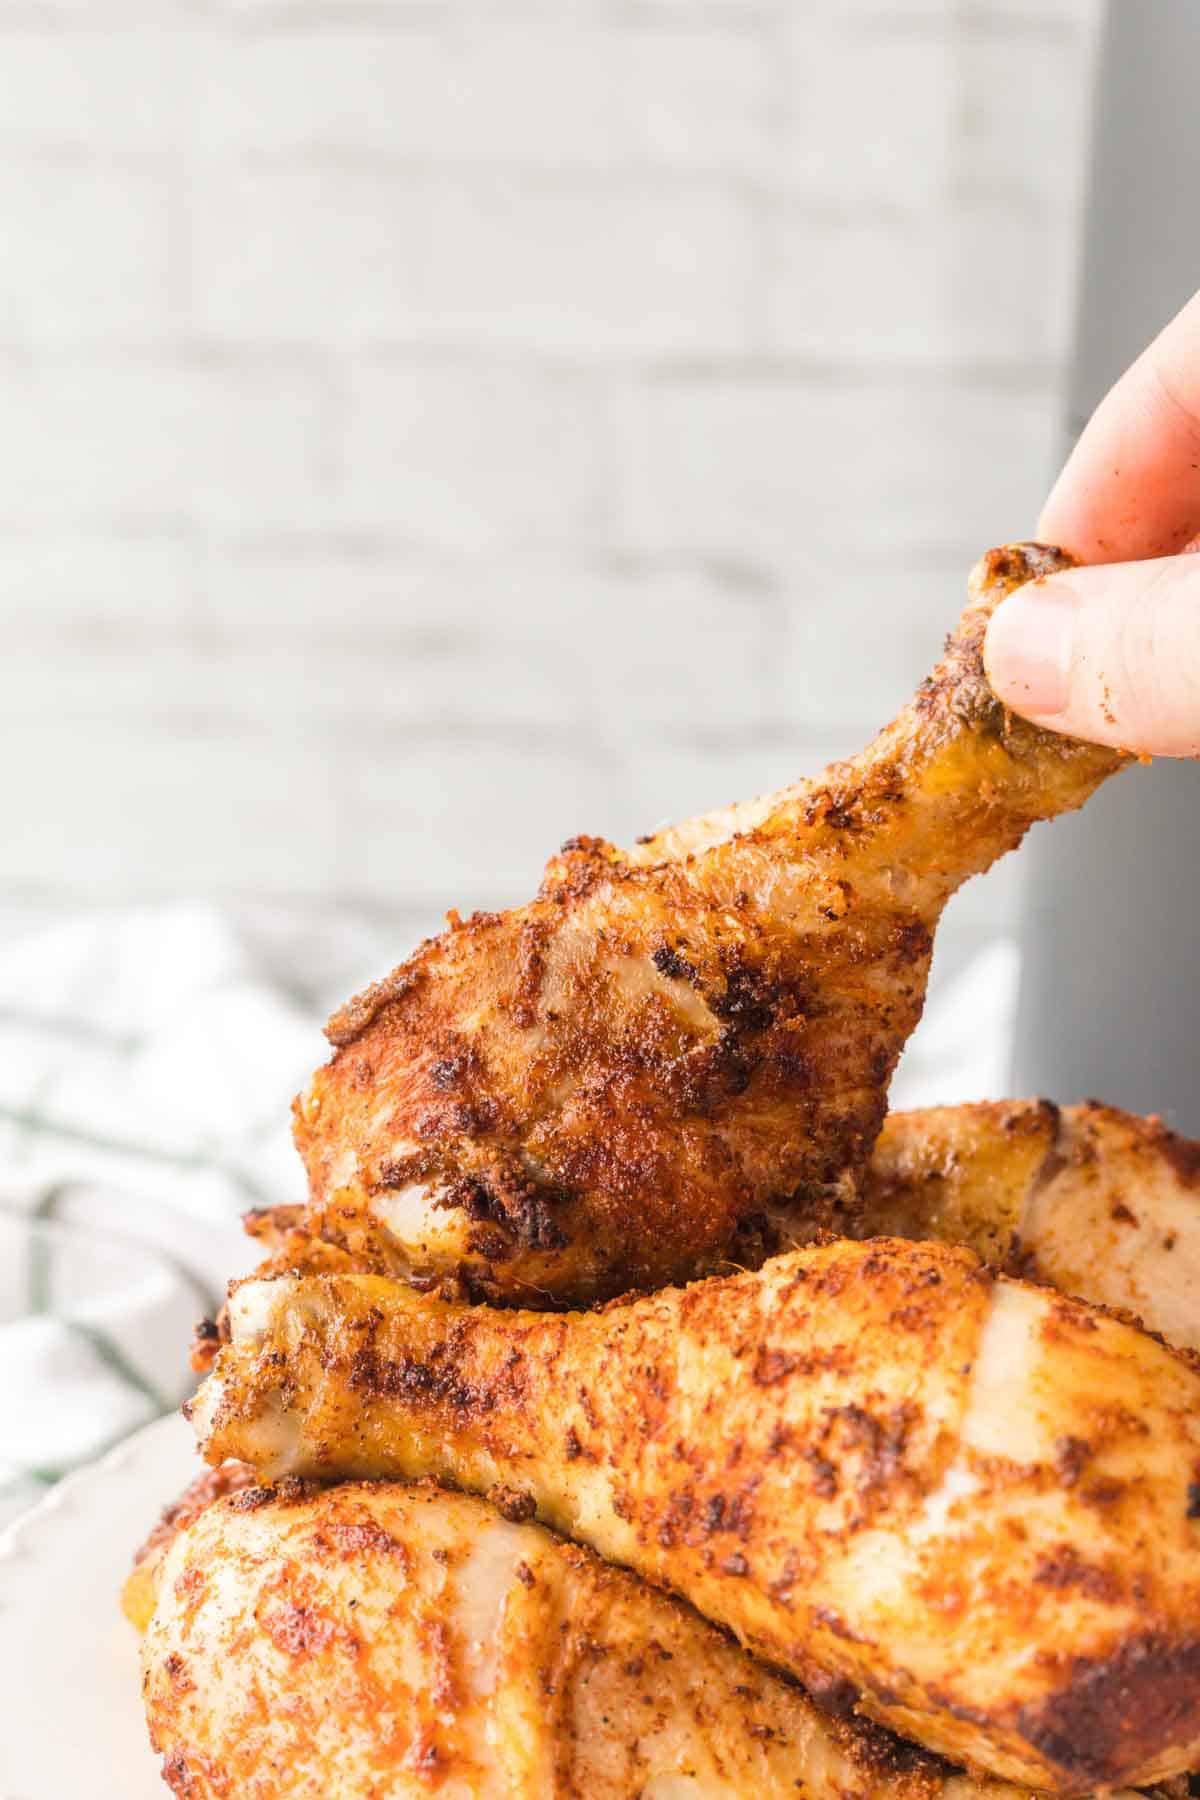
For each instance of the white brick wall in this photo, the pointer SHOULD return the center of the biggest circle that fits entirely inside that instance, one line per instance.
(431, 428)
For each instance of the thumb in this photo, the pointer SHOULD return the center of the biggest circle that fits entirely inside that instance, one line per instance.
(1109, 653)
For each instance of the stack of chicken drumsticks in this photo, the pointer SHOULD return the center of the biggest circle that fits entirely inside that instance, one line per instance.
(633, 1409)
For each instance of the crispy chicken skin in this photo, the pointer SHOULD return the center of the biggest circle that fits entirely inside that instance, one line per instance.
(1095, 1202)
(964, 1503)
(140, 1592)
(384, 1640)
(1087, 1199)
(675, 1050)
(286, 1235)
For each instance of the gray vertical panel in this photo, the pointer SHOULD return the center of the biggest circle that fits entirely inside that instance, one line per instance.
(1110, 990)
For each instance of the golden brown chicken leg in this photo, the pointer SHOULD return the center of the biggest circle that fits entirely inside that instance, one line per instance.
(676, 1049)
(968, 1505)
(1088, 1199)
(1093, 1201)
(384, 1639)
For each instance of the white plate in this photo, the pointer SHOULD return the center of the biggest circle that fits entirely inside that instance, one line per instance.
(69, 1688)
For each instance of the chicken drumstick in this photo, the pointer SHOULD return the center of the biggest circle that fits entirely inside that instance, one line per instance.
(969, 1506)
(385, 1639)
(674, 1051)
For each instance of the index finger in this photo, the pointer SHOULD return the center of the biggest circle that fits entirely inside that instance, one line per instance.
(1131, 487)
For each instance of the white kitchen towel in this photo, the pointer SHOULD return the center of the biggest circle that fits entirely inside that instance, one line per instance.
(147, 1062)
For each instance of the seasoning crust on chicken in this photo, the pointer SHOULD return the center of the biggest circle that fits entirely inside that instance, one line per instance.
(385, 1639)
(962, 1503)
(675, 1052)
(1093, 1201)
(1088, 1199)
(140, 1591)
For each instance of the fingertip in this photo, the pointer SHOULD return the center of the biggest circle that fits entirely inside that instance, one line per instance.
(1054, 526)
(1130, 489)
(1028, 648)
(1108, 654)
(1069, 520)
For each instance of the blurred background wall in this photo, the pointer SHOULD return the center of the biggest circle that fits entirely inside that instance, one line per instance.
(428, 430)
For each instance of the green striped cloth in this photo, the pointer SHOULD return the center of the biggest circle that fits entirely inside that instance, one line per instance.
(147, 1063)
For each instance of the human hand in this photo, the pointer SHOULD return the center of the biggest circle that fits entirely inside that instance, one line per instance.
(1111, 652)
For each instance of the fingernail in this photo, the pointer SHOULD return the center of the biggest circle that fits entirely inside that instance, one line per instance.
(1029, 645)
